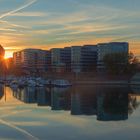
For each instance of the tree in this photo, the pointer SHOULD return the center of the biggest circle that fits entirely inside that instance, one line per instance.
(120, 63)
(132, 67)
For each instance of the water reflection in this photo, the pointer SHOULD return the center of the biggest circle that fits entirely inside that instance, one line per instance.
(43, 96)
(1, 91)
(60, 99)
(112, 104)
(106, 103)
(84, 101)
(26, 95)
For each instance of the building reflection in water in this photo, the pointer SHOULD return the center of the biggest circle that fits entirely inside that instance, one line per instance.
(1, 91)
(43, 96)
(83, 100)
(26, 95)
(60, 98)
(107, 103)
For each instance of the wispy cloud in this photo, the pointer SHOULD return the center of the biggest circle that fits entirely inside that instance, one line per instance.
(17, 9)
(7, 29)
(13, 25)
(29, 14)
(91, 28)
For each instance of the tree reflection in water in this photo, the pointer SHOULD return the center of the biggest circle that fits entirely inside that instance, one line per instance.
(1, 91)
(133, 104)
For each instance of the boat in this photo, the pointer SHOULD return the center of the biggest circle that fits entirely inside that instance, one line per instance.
(21, 84)
(31, 83)
(14, 84)
(39, 84)
(61, 83)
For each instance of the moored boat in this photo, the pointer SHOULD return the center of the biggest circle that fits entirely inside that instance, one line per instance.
(61, 83)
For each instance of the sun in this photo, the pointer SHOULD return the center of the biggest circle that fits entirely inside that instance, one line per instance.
(8, 54)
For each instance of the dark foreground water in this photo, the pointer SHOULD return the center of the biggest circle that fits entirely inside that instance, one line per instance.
(77, 113)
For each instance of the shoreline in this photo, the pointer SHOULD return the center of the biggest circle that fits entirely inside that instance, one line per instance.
(126, 83)
(99, 83)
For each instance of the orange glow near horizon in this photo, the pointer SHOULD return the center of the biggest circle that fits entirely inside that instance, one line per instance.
(8, 54)
(10, 50)
(134, 46)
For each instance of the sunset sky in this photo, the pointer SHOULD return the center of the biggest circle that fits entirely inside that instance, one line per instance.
(59, 23)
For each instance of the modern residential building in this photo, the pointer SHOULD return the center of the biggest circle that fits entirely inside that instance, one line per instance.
(66, 58)
(56, 62)
(61, 59)
(48, 61)
(17, 58)
(31, 60)
(83, 58)
(87, 58)
(110, 48)
(76, 58)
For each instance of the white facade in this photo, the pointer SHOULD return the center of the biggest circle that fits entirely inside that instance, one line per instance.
(76, 58)
(30, 59)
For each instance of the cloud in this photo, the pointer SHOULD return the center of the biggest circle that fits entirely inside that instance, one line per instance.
(91, 28)
(17, 9)
(13, 25)
(29, 14)
(128, 37)
(7, 29)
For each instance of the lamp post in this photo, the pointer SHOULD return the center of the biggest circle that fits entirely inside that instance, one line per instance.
(5, 78)
(5, 65)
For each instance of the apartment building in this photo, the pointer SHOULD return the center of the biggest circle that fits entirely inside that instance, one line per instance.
(83, 58)
(31, 60)
(110, 48)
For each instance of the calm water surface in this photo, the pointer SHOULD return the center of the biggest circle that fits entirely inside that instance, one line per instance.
(77, 113)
